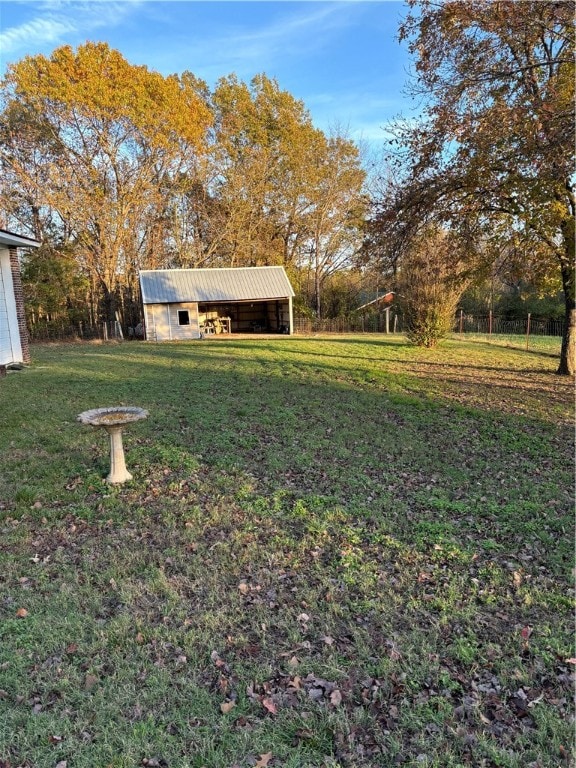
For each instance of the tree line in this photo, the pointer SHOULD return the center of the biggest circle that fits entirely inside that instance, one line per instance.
(117, 168)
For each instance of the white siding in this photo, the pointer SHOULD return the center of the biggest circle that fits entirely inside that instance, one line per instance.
(162, 322)
(10, 348)
(178, 331)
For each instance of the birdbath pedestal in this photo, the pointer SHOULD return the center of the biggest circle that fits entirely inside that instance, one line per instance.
(114, 420)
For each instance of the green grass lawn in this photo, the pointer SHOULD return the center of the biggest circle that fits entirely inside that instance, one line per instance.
(337, 551)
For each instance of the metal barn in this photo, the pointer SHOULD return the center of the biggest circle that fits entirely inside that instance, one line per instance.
(184, 304)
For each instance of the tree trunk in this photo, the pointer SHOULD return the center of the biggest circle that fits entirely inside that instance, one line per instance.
(567, 365)
(109, 304)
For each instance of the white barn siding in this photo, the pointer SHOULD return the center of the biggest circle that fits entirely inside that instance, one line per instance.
(162, 322)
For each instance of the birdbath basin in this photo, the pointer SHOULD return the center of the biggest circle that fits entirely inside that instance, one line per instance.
(114, 420)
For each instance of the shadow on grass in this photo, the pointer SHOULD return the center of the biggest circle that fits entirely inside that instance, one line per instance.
(369, 447)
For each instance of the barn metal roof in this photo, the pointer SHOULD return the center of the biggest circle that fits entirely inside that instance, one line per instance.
(172, 286)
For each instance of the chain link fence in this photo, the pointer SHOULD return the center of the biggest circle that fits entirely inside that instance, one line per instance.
(527, 333)
(360, 324)
(45, 332)
(544, 335)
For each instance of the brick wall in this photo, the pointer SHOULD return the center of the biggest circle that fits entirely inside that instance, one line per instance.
(19, 295)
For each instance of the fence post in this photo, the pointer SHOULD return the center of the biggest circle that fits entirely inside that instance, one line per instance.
(490, 324)
(528, 329)
(461, 321)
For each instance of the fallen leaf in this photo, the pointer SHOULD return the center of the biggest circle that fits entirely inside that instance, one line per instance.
(62, 764)
(21, 613)
(243, 588)
(269, 705)
(395, 654)
(217, 660)
(264, 760)
(90, 681)
(296, 682)
(226, 706)
(335, 698)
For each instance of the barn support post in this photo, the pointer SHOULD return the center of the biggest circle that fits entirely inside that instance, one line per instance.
(291, 315)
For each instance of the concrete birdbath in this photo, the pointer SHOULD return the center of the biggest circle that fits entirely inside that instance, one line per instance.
(114, 420)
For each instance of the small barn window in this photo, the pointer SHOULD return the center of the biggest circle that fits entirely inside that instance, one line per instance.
(183, 317)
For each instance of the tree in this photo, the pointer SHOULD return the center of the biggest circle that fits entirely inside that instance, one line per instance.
(494, 150)
(290, 194)
(54, 288)
(334, 217)
(264, 154)
(431, 280)
(108, 139)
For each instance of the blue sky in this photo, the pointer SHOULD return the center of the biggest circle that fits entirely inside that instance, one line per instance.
(341, 57)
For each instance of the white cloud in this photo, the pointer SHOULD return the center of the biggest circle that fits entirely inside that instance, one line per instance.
(38, 31)
(296, 31)
(57, 22)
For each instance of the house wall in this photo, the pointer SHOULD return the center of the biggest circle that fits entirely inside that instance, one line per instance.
(162, 322)
(10, 341)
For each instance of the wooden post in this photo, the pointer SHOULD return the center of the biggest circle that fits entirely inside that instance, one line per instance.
(528, 329)
(461, 321)
(490, 324)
